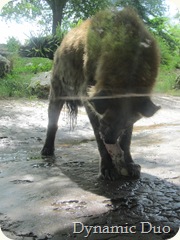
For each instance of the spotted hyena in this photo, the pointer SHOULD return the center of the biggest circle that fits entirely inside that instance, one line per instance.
(109, 64)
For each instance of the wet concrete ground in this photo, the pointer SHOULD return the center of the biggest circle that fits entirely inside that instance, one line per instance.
(53, 198)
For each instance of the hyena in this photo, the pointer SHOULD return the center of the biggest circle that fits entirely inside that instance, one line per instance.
(109, 64)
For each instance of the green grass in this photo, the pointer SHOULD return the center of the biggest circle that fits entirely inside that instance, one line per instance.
(16, 84)
(166, 81)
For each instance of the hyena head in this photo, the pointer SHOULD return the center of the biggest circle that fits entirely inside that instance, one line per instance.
(127, 66)
(118, 113)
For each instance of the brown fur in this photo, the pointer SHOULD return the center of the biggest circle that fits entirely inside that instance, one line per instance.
(128, 56)
(118, 55)
(107, 56)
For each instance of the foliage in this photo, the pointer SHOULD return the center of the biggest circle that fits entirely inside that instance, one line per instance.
(16, 84)
(44, 46)
(27, 10)
(80, 9)
(177, 83)
(41, 46)
(74, 10)
(170, 55)
(166, 81)
(175, 32)
(160, 26)
(31, 65)
(12, 44)
(145, 8)
(41, 11)
(151, 11)
(169, 59)
(168, 37)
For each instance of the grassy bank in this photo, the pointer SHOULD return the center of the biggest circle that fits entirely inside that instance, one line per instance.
(16, 84)
(166, 81)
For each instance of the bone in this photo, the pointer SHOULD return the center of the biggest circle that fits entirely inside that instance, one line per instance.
(115, 151)
(117, 156)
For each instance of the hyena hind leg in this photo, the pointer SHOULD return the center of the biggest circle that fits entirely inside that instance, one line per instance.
(54, 109)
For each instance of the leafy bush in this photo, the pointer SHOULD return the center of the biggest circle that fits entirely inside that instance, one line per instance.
(166, 80)
(168, 36)
(166, 57)
(13, 44)
(169, 59)
(41, 46)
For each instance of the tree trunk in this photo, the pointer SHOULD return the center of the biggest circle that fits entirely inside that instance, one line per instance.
(57, 7)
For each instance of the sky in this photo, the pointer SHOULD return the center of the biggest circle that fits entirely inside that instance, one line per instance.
(23, 31)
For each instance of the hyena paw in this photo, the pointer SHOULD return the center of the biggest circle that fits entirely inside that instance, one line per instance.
(131, 170)
(134, 170)
(109, 174)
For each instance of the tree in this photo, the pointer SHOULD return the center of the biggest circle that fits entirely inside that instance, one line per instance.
(29, 11)
(57, 7)
(53, 14)
(147, 9)
(52, 11)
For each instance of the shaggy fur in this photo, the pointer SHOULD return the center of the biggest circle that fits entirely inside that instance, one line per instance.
(101, 63)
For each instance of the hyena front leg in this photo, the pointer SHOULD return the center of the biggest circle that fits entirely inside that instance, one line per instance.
(54, 109)
(107, 169)
(121, 156)
(125, 142)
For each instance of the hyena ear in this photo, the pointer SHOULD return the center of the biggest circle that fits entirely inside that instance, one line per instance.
(100, 102)
(146, 107)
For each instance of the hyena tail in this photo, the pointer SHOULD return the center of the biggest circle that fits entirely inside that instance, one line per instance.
(72, 106)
